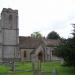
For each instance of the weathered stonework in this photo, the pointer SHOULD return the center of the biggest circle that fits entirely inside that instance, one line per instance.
(9, 34)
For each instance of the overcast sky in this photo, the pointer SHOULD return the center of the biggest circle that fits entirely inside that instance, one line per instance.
(43, 16)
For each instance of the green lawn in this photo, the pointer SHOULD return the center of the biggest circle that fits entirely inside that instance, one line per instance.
(46, 68)
(60, 69)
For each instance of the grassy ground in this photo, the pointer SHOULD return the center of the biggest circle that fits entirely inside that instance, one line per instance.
(46, 67)
(61, 70)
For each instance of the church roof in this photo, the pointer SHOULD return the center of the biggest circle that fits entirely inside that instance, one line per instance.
(52, 42)
(33, 43)
(29, 42)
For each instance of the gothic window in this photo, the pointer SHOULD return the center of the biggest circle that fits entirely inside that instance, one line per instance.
(10, 17)
(24, 53)
(10, 21)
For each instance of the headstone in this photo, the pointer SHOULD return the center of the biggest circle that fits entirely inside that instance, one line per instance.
(13, 66)
(62, 61)
(33, 65)
(54, 72)
(36, 67)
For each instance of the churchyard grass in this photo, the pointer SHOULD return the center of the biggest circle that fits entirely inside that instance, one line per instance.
(61, 70)
(46, 67)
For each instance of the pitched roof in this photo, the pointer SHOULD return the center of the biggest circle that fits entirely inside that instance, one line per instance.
(32, 43)
(29, 42)
(52, 42)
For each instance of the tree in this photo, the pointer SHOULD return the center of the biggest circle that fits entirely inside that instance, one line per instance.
(53, 35)
(36, 35)
(67, 50)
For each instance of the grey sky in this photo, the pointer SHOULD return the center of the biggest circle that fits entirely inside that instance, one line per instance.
(43, 15)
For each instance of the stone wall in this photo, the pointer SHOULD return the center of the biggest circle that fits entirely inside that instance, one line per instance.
(9, 33)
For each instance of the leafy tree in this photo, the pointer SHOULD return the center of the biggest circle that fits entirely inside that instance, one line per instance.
(53, 35)
(36, 35)
(67, 50)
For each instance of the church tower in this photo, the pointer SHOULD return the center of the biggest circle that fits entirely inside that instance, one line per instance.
(9, 34)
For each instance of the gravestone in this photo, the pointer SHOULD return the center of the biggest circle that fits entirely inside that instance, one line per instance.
(36, 65)
(54, 72)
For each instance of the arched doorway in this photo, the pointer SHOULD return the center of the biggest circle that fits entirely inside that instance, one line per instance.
(40, 56)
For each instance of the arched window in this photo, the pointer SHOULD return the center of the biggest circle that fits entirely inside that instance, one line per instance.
(24, 53)
(10, 17)
(10, 21)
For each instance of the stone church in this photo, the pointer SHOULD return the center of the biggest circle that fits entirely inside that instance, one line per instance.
(24, 48)
(37, 49)
(9, 34)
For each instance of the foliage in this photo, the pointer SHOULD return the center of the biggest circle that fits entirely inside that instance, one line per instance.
(67, 51)
(36, 35)
(53, 35)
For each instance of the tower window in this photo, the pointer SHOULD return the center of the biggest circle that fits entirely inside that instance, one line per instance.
(10, 21)
(10, 17)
